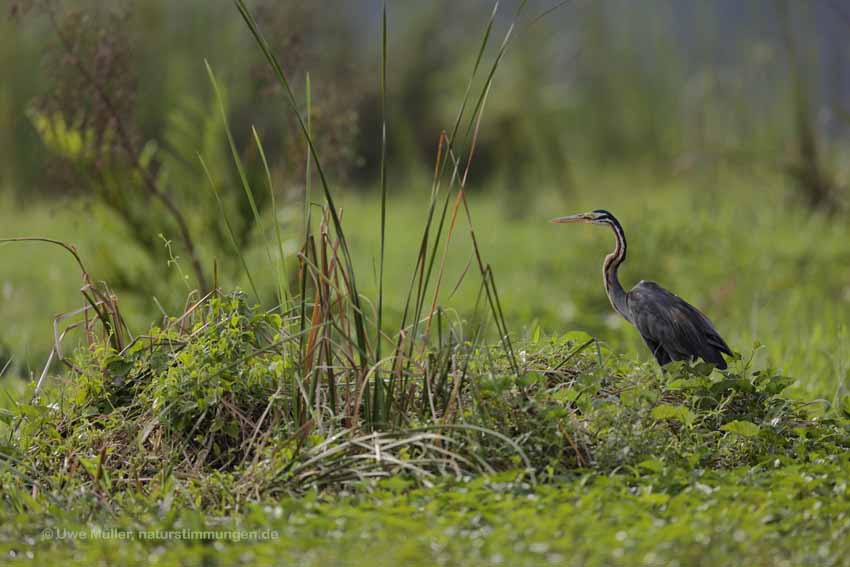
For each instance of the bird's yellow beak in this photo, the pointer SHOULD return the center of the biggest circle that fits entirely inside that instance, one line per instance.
(582, 217)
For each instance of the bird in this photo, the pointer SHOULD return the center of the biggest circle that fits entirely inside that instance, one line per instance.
(672, 328)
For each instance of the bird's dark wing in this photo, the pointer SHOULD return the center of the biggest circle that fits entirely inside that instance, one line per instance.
(672, 328)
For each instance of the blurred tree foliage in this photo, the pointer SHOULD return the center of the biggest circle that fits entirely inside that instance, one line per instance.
(666, 83)
(660, 83)
(95, 117)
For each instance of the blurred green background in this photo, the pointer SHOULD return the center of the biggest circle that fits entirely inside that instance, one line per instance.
(716, 131)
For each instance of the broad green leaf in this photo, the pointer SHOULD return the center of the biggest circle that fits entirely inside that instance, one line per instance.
(743, 428)
(677, 413)
(654, 465)
(566, 395)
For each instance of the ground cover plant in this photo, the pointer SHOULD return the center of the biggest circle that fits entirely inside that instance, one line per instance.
(576, 462)
(323, 416)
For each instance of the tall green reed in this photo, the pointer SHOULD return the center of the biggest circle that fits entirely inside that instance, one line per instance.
(333, 324)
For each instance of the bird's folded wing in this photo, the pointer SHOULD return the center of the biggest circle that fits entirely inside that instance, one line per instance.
(680, 328)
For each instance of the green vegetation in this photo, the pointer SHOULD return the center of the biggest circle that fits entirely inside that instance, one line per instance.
(788, 516)
(574, 463)
(250, 365)
(766, 271)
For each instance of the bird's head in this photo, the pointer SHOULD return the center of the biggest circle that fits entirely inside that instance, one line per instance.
(599, 216)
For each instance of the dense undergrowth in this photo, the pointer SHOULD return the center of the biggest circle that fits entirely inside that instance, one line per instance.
(786, 516)
(214, 402)
(415, 434)
(577, 457)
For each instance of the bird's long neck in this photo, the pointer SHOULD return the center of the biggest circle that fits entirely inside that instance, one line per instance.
(616, 293)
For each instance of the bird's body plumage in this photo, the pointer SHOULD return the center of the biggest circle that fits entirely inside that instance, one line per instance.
(672, 328)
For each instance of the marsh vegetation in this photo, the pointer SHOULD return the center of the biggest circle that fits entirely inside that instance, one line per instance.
(313, 299)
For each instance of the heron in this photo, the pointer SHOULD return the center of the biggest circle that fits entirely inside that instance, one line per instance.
(672, 328)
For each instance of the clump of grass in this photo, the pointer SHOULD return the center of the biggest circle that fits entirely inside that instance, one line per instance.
(339, 317)
(214, 401)
(214, 397)
(236, 402)
(309, 366)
